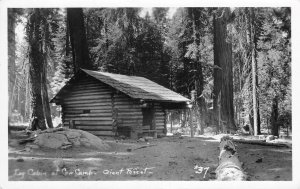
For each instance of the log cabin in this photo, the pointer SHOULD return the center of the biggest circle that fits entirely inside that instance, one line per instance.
(107, 104)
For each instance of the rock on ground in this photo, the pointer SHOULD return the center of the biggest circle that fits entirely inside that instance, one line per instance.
(67, 137)
(270, 137)
(51, 140)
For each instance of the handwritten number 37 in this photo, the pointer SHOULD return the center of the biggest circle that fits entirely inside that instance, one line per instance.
(200, 170)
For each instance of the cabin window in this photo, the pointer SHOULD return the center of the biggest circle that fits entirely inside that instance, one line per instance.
(86, 111)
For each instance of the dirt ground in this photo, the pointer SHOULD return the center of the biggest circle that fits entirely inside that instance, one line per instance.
(169, 158)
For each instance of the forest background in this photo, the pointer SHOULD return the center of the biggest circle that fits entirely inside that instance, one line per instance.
(176, 46)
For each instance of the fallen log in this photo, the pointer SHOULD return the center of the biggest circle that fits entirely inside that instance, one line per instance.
(229, 168)
(261, 142)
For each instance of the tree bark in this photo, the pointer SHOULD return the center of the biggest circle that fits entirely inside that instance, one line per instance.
(251, 38)
(11, 25)
(254, 94)
(254, 73)
(67, 36)
(230, 168)
(27, 96)
(223, 79)
(199, 105)
(78, 39)
(46, 105)
(36, 61)
(274, 117)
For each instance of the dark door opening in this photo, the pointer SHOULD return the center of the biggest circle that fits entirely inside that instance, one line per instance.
(147, 117)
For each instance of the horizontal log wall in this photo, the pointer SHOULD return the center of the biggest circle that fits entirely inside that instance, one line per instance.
(159, 115)
(129, 112)
(89, 106)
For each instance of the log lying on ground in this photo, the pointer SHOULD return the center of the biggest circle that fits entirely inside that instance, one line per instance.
(261, 142)
(230, 168)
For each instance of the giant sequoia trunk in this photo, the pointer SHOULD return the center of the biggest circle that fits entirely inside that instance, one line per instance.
(45, 97)
(199, 104)
(36, 61)
(223, 79)
(78, 39)
(46, 105)
(11, 25)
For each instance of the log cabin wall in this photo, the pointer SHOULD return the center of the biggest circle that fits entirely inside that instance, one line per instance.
(129, 114)
(159, 115)
(93, 101)
(98, 108)
(88, 106)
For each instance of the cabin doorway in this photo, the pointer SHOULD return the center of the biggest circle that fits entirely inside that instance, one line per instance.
(148, 115)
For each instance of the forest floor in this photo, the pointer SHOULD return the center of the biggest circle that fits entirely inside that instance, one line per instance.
(169, 158)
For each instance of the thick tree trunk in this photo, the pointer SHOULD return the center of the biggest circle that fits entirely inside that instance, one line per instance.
(46, 105)
(11, 25)
(27, 98)
(254, 74)
(223, 79)
(78, 39)
(36, 61)
(36, 97)
(196, 113)
(199, 105)
(67, 36)
(192, 112)
(230, 168)
(258, 116)
(239, 98)
(251, 120)
(274, 117)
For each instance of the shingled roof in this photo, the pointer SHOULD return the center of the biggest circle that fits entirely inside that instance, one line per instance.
(136, 87)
